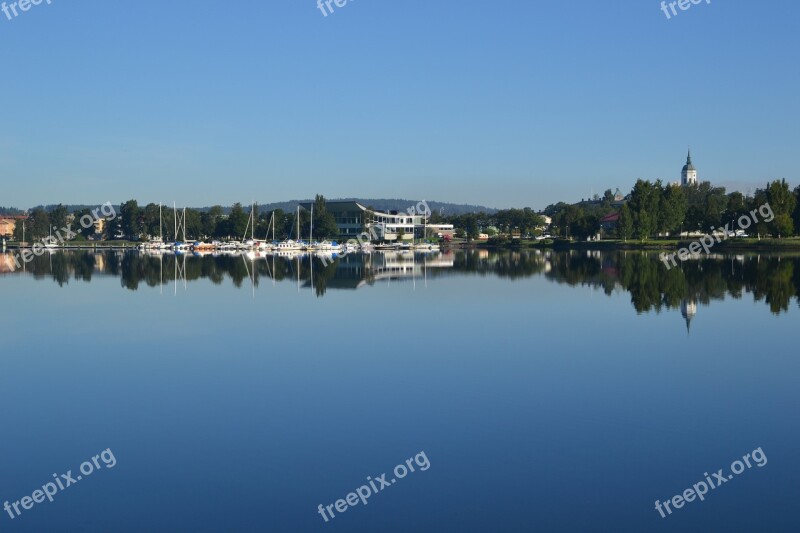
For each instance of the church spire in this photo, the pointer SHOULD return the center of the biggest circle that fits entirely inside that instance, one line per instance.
(689, 157)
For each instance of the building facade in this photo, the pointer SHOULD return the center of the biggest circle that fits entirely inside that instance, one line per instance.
(8, 224)
(353, 219)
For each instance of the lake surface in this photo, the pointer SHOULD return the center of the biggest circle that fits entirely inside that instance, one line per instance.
(555, 391)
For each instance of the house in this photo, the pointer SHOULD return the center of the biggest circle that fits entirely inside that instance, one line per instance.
(8, 224)
(609, 222)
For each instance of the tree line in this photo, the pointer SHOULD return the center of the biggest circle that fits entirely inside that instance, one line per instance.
(141, 223)
(652, 209)
(508, 221)
(656, 210)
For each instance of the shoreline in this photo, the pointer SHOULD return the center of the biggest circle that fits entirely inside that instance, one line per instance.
(743, 245)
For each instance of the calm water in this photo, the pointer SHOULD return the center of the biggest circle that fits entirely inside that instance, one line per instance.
(549, 392)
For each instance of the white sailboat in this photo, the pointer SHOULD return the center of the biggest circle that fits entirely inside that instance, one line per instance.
(288, 245)
(424, 245)
(180, 246)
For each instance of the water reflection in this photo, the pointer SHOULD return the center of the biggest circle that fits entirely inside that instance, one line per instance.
(774, 279)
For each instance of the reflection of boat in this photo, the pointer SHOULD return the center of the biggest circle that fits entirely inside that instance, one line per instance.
(289, 253)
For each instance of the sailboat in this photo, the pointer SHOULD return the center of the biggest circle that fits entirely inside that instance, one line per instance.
(156, 243)
(159, 243)
(424, 245)
(289, 245)
(50, 243)
(180, 246)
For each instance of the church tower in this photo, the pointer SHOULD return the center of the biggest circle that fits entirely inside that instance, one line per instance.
(689, 173)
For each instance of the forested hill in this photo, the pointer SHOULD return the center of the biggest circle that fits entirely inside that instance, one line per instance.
(384, 204)
(379, 204)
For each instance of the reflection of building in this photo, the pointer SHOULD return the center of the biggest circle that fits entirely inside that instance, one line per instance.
(688, 311)
(689, 173)
(398, 265)
(7, 264)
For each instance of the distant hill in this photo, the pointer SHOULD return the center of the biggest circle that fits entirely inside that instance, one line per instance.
(379, 204)
(382, 204)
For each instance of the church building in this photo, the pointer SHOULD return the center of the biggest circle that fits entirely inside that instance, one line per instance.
(689, 173)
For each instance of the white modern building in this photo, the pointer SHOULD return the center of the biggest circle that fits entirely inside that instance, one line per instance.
(353, 218)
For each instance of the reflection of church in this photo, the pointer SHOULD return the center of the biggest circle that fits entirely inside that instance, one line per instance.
(688, 311)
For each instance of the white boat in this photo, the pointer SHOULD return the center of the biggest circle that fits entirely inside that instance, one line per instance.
(288, 246)
(327, 246)
(180, 224)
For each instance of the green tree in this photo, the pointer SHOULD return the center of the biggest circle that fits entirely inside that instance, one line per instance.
(78, 227)
(58, 216)
(324, 222)
(209, 221)
(625, 224)
(644, 205)
(37, 226)
(783, 225)
(150, 221)
(783, 203)
(237, 222)
(797, 208)
(194, 225)
(131, 219)
(113, 228)
(672, 209)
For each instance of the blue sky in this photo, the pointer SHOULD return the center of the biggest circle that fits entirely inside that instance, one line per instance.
(502, 103)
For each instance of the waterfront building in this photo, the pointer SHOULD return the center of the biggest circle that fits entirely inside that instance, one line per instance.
(352, 219)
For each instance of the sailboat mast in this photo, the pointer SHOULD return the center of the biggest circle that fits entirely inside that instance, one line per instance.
(311, 228)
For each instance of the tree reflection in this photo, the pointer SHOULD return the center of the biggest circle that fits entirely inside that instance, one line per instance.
(772, 279)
